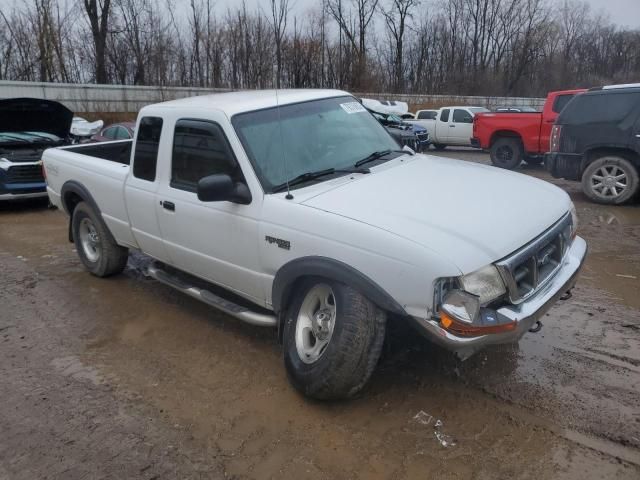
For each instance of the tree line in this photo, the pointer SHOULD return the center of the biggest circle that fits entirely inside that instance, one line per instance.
(466, 47)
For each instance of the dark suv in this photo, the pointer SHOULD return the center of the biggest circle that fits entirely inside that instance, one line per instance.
(596, 140)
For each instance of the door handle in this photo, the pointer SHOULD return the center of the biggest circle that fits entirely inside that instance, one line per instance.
(168, 205)
(638, 136)
(452, 126)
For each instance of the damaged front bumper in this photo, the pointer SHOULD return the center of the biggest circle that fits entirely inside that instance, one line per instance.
(525, 314)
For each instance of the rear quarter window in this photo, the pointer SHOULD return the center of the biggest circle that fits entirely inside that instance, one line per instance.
(601, 108)
(561, 101)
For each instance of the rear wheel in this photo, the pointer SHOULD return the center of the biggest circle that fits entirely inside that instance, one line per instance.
(610, 180)
(333, 338)
(439, 146)
(507, 152)
(95, 246)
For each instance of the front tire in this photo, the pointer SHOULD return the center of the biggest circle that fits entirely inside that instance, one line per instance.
(95, 246)
(507, 152)
(333, 338)
(610, 180)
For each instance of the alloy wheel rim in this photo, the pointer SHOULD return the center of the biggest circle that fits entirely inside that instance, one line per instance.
(315, 323)
(609, 181)
(90, 240)
(505, 153)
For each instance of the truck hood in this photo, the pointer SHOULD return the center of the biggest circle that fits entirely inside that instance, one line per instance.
(469, 213)
(35, 115)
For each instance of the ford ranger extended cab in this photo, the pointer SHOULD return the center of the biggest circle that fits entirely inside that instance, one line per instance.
(514, 137)
(295, 210)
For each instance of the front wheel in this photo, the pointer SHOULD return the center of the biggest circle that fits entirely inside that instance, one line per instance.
(333, 338)
(96, 248)
(610, 180)
(507, 153)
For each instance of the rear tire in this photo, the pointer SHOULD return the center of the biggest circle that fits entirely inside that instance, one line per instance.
(439, 146)
(507, 152)
(334, 362)
(96, 248)
(610, 180)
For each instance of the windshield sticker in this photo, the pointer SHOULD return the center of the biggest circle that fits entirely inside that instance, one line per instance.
(353, 107)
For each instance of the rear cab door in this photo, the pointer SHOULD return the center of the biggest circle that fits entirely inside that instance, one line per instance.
(141, 187)
(442, 126)
(460, 127)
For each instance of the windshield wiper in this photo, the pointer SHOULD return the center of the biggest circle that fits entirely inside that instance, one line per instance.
(377, 155)
(308, 176)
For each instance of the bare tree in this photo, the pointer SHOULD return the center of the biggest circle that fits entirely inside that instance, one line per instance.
(396, 16)
(279, 14)
(98, 14)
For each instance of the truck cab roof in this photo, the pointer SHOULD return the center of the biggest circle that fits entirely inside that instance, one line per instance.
(232, 103)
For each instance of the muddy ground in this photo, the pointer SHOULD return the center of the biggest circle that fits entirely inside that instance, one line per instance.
(125, 378)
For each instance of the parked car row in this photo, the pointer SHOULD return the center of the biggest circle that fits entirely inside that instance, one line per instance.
(588, 136)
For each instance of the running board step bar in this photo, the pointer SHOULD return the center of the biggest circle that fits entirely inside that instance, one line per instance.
(238, 311)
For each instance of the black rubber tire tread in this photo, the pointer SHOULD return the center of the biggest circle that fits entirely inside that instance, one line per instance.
(439, 146)
(113, 257)
(623, 163)
(516, 146)
(353, 352)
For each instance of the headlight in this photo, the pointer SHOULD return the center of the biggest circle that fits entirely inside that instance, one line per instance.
(485, 283)
(574, 221)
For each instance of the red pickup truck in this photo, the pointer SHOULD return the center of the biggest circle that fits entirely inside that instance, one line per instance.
(513, 137)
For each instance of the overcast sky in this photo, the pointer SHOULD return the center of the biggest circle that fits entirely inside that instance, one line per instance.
(623, 12)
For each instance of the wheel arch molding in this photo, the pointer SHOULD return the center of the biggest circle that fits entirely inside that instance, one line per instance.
(326, 267)
(74, 192)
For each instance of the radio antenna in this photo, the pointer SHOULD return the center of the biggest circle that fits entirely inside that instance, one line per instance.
(284, 156)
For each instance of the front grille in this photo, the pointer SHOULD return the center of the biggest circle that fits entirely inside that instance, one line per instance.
(25, 174)
(528, 269)
(411, 142)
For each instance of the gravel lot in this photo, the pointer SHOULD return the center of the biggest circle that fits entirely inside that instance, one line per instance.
(126, 378)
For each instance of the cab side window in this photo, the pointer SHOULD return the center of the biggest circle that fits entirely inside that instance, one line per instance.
(444, 116)
(145, 158)
(427, 115)
(200, 149)
(462, 116)
(560, 102)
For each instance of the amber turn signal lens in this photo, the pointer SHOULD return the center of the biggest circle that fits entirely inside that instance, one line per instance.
(462, 329)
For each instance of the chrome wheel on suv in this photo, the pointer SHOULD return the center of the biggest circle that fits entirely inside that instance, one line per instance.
(610, 180)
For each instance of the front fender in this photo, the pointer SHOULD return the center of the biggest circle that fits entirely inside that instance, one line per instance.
(326, 267)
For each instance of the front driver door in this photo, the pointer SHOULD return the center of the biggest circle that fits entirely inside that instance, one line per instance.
(217, 241)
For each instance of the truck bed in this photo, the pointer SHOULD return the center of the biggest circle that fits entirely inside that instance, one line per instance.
(118, 151)
(100, 168)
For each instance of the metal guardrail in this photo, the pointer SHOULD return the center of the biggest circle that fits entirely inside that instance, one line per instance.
(125, 98)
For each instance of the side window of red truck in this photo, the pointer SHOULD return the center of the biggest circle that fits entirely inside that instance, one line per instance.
(560, 102)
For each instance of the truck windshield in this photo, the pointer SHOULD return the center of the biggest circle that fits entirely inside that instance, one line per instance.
(310, 136)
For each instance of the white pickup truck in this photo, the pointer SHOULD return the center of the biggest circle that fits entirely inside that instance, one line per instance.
(449, 125)
(296, 210)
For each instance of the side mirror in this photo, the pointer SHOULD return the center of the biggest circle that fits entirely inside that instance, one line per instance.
(221, 187)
